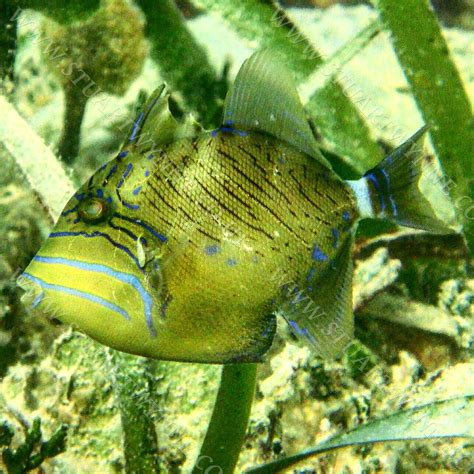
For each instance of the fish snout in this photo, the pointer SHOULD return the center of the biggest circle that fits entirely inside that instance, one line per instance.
(29, 283)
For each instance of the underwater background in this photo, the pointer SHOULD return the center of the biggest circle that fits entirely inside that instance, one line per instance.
(71, 76)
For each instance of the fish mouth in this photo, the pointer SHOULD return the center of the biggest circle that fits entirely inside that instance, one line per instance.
(33, 291)
(65, 286)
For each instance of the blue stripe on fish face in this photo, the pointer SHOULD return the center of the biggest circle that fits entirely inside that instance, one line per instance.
(70, 211)
(128, 232)
(80, 294)
(126, 278)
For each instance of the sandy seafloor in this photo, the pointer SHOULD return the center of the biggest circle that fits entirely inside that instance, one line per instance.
(300, 400)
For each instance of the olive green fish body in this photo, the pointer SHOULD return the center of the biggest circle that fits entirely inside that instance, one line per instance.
(186, 245)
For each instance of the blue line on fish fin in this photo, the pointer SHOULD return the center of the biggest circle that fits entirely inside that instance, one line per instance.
(346, 215)
(136, 126)
(373, 179)
(390, 197)
(137, 190)
(228, 127)
(37, 300)
(310, 274)
(122, 154)
(309, 336)
(296, 327)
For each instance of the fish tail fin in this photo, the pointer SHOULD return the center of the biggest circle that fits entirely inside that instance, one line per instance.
(408, 188)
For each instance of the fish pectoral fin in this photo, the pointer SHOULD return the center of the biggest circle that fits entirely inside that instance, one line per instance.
(155, 125)
(323, 317)
(264, 99)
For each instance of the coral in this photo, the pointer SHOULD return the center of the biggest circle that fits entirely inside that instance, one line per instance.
(100, 54)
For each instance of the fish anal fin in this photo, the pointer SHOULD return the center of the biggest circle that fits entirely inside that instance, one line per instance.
(322, 315)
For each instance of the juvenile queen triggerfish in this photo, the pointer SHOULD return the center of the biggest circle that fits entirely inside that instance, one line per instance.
(187, 244)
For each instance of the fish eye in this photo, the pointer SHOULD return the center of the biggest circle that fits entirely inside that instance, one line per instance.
(93, 210)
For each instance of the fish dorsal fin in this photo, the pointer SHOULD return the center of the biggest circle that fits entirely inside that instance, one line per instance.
(263, 98)
(155, 125)
(324, 318)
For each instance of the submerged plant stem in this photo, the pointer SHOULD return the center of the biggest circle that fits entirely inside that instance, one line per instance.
(226, 431)
(452, 417)
(132, 386)
(183, 62)
(75, 106)
(36, 161)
